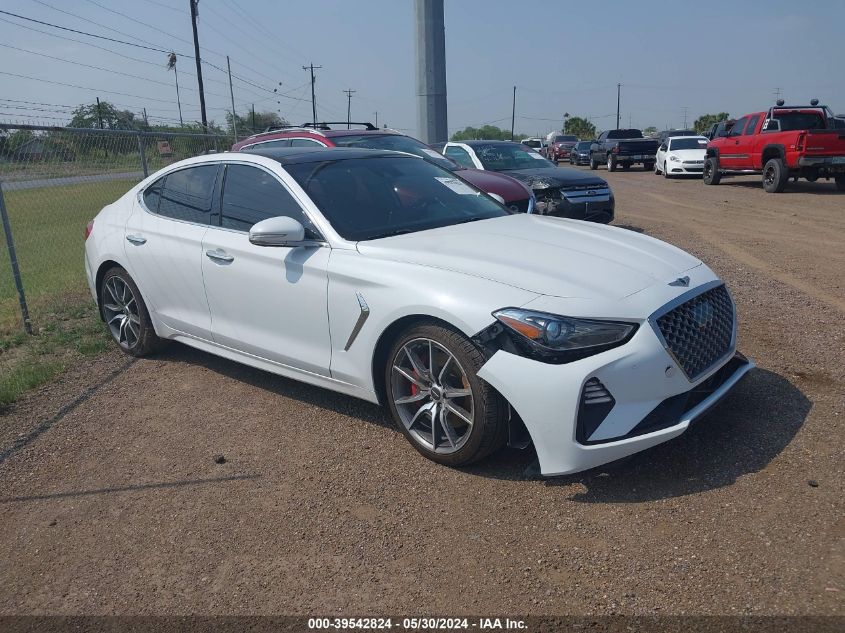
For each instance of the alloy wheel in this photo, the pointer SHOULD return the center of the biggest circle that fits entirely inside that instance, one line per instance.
(432, 395)
(120, 310)
(769, 176)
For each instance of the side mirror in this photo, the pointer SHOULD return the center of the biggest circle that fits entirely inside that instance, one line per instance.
(497, 198)
(278, 231)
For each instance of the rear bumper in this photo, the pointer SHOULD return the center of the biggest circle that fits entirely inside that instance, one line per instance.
(832, 164)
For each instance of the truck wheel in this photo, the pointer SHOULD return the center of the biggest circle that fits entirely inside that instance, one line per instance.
(626, 166)
(840, 182)
(775, 176)
(593, 163)
(711, 173)
(648, 166)
(611, 162)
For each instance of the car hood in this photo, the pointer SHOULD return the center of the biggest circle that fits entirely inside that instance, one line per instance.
(549, 177)
(509, 188)
(540, 254)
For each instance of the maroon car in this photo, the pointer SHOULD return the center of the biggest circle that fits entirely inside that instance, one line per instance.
(560, 147)
(517, 196)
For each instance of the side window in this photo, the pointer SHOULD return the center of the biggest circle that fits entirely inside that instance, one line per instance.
(251, 195)
(152, 195)
(188, 194)
(305, 142)
(460, 156)
(752, 123)
(738, 127)
(281, 142)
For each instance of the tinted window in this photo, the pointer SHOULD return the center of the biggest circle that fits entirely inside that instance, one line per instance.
(688, 143)
(282, 142)
(395, 142)
(532, 143)
(624, 134)
(583, 145)
(800, 121)
(368, 198)
(738, 127)
(189, 194)
(152, 195)
(460, 155)
(251, 195)
(752, 123)
(566, 139)
(305, 142)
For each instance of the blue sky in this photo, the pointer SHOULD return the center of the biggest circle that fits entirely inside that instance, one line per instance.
(562, 56)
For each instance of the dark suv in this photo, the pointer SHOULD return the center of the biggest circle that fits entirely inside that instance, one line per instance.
(517, 197)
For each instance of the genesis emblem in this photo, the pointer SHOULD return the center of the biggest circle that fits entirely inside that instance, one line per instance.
(680, 281)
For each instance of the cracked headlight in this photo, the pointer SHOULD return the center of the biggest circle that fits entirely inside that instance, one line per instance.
(555, 338)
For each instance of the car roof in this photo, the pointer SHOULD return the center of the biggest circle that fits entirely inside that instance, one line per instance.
(296, 155)
(680, 138)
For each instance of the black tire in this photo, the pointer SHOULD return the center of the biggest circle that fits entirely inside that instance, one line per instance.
(840, 182)
(656, 168)
(611, 162)
(626, 166)
(489, 427)
(593, 163)
(146, 341)
(648, 166)
(711, 174)
(775, 176)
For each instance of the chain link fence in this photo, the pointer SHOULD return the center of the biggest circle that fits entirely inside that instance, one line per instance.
(53, 181)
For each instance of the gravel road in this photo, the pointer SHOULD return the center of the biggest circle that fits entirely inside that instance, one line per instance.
(112, 502)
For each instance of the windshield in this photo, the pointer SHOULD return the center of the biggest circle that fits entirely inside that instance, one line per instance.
(508, 156)
(369, 198)
(566, 139)
(531, 143)
(397, 143)
(688, 143)
(583, 145)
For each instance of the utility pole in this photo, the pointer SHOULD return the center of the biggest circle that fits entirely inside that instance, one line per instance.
(99, 113)
(376, 113)
(171, 65)
(194, 14)
(431, 71)
(513, 111)
(232, 95)
(146, 122)
(777, 94)
(313, 98)
(685, 109)
(618, 96)
(349, 107)
(253, 118)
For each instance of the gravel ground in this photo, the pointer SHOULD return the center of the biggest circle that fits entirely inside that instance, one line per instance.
(112, 501)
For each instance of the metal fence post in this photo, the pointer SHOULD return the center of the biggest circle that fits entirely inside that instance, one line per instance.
(143, 152)
(16, 272)
(216, 145)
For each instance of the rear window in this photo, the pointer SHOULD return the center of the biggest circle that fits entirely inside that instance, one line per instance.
(800, 121)
(624, 134)
(566, 139)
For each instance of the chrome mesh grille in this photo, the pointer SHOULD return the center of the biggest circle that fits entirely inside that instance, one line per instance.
(699, 332)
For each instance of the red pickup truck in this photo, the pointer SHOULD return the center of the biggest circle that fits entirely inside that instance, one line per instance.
(782, 143)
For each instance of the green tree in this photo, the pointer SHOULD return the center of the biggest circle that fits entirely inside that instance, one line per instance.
(580, 127)
(247, 124)
(703, 123)
(89, 115)
(650, 131)
(487, 133)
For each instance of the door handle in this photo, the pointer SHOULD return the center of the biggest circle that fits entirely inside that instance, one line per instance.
(137, 240)
(219, 256)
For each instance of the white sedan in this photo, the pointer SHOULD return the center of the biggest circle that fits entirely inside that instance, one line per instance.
(681, 155)
(385, 277)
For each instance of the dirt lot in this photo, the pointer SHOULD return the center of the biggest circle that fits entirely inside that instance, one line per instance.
(111, 501)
